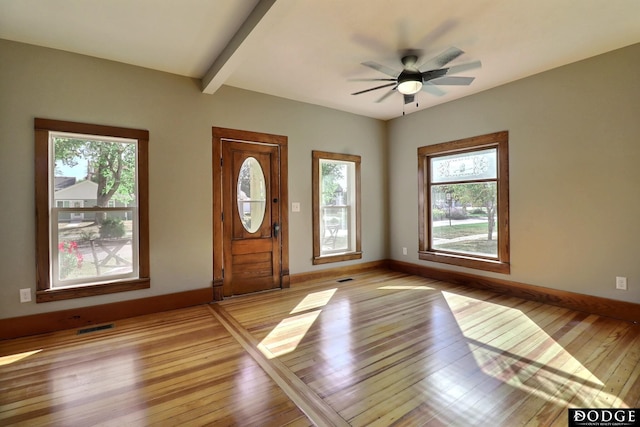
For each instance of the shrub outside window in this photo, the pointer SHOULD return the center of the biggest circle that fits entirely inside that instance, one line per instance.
(464, 203)
(336, 207)
(91, 204)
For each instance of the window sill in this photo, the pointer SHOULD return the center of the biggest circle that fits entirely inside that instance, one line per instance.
(59, 294)
(337, 258)
(466, 261)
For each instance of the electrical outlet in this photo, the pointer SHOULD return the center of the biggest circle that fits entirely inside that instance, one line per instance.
(295, 206)
(404, 251)
(25, 295)
(621, 283)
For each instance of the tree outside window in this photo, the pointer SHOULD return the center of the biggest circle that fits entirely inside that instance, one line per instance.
(111, 165)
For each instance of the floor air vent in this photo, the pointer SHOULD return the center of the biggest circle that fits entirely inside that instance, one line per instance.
(94, 329)
(348, 279)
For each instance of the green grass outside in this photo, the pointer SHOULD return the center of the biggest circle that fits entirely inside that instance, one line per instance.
(476, 246)
(483, 247)
(460, 230)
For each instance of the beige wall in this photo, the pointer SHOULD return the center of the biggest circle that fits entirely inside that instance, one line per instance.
(39, 82)
(574, 155)
(574, 172)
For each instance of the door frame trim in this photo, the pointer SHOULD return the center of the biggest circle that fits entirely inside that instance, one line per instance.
(219, 134)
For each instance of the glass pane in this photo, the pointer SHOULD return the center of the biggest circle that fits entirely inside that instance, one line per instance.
(464, 218)
(465, 167)
(90, 172)
(337, 194)
(94, 245)
(251, 195)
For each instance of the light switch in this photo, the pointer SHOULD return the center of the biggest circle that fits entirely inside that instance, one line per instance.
(295, 206)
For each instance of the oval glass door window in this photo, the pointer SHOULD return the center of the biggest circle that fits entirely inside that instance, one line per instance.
(251, 194)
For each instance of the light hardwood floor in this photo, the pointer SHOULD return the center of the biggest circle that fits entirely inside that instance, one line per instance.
(176, 368)
(383, 349)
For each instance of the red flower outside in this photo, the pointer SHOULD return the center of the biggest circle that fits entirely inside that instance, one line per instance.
(69, 258)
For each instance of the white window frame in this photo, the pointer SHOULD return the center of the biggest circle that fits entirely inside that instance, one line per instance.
(79, 211)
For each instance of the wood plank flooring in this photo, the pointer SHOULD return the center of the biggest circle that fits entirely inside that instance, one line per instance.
(176, 368)
(382, 349)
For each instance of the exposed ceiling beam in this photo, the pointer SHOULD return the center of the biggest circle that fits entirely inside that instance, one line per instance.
(248, 37)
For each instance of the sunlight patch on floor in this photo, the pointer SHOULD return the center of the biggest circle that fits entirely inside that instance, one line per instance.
(12, 358)
(286, 337)
(314, 300)
(521, 354)
(406, 287)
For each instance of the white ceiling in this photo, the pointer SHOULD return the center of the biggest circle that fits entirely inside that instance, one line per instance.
(307, 50)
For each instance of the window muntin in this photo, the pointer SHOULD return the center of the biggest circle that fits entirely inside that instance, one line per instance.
(92, 211)
(464, 202)
(336, 200)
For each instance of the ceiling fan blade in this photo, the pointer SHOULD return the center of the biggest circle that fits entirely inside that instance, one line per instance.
(383, 69)
(373, 88)
(433, 74)
(441, 60)
(372, 80)
(386, 95)
(432, 89)
(452, 81)
(408, 99)
(463, 67)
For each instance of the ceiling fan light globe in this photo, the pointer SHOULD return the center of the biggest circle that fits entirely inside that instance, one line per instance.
(409, 87)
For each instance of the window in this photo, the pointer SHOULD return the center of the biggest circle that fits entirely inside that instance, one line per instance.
(91, 208)
(336, 207)
(464, 202)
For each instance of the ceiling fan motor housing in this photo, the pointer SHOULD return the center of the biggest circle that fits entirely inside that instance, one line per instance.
(409, 82)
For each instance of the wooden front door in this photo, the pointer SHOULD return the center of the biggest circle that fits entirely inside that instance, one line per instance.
(253, 214)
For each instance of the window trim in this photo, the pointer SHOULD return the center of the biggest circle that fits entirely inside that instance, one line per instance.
(44, 290)
(498, 140)
(315, 171)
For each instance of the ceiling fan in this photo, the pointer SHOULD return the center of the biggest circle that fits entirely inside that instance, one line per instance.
(412, 80)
